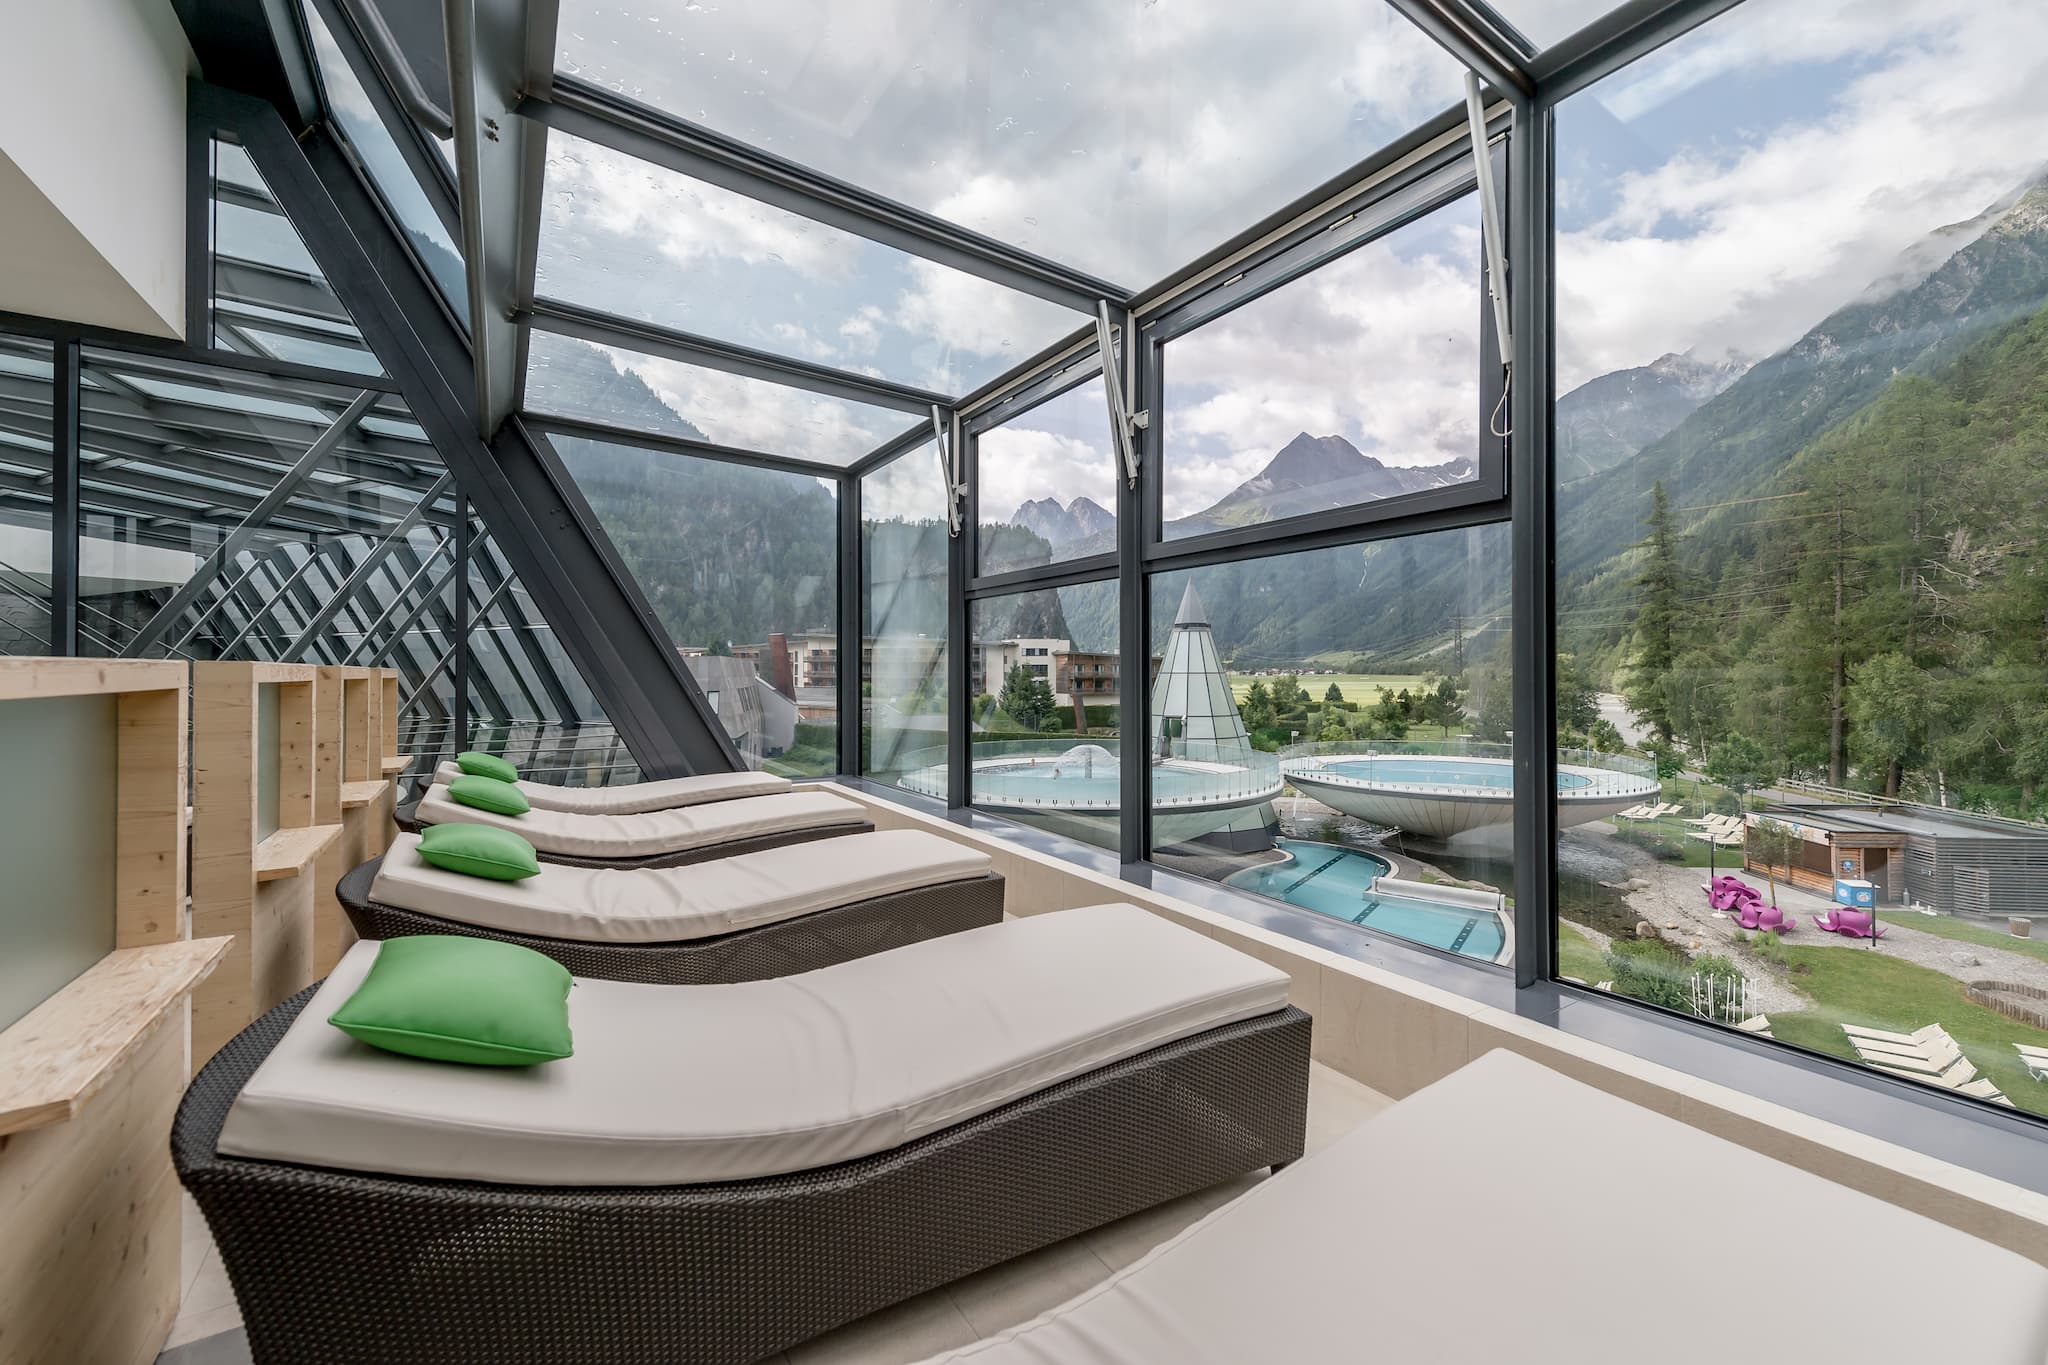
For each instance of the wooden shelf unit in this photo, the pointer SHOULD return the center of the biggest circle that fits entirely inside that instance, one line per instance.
(363, 703)
(89, 1078)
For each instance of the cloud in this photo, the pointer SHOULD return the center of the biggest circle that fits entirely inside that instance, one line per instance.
(1738, 238)
(1020, 463)
(1126, 139)
(752, 415)
(1381, 347)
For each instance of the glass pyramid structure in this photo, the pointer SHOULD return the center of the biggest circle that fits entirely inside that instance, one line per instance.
(1193, 714)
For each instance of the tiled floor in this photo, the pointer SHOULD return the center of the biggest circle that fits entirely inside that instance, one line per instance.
(208, 1330)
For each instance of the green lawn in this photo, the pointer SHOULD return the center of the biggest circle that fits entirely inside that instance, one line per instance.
(1579, 956)
(1861, 986)
(1363, 688)
(1983, 935)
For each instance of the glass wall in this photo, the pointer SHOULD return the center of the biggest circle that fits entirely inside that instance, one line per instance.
(1046, 483)
(1356, 383)
(386, 167)
(25, 470)
(741, 567)
(1802, 386)
(1045, 677)
(1330, 728)
(270, 297)
(903, 622)
(628, 389)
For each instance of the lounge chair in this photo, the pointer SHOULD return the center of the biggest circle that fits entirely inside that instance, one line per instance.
(1847, 922)
(1366, 1252)
(634, 798)
(1929, 1033)
(720, 1172)
(660, 838)
(1758, 1024)
(2035, 1058)
(742, 918)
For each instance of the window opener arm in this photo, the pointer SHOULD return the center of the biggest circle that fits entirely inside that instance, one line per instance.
(1490, 230)
(950, 472)
(1121, 422)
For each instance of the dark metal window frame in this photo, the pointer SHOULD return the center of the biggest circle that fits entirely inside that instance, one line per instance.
(1533, 81)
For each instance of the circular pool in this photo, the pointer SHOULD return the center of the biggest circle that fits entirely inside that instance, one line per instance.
(1439, 795)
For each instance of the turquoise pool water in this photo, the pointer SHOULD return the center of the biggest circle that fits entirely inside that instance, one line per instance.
(1335, 881)
(1056, 781)
(1441, 772)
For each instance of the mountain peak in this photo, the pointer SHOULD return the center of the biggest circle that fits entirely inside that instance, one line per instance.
(1057, 525)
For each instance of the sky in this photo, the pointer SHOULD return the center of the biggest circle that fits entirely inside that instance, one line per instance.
(1721, 195)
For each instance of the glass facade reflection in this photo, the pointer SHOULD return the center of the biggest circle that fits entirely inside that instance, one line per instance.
(1795, 491)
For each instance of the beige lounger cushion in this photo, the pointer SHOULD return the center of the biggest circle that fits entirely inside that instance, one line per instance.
(686, 1084)
(1453, 1229)
(653, 832)
(635, 797)
(665, 904)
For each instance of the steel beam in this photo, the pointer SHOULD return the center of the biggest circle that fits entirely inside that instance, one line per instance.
(398, 74)
(313, 556)
(516, 483)
(1496, 53)
(852, 594)
(1531, 545)
(496, 50)
(367, 647)
(188, 592)
(577, 428)
(568, 319)
(362, 573)
(1613, 41)
(64, 499)
(447, 655)
(594, 114)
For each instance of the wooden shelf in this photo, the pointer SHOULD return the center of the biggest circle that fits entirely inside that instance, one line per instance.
(289, 852)
(54, 1058)
(395, 764)
(354, 794)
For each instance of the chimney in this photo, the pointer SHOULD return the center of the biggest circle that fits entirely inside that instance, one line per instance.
(778, 664)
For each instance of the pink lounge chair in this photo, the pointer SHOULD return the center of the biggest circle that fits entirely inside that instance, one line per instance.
(1853, 923)
(1764, 918)
(1731, 893)
(1772, 920)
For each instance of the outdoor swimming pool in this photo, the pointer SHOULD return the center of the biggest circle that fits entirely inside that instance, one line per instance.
(1440, 772)
(1336, 881)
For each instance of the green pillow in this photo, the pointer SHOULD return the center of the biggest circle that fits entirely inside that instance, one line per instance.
(486, 765)
(453, 999)
(480, 851)
(488, 793)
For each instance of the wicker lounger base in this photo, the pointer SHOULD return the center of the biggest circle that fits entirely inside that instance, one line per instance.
(785, 948)
(408, 820)
(341, 1267)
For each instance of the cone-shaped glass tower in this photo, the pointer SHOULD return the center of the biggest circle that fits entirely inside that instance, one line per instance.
(1193, 714)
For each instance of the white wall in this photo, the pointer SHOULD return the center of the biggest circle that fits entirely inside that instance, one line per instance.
(92, 162)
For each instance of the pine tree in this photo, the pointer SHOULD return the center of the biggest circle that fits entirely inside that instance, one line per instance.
(1659, 624)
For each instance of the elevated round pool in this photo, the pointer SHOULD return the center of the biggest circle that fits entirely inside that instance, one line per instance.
(1439, 795)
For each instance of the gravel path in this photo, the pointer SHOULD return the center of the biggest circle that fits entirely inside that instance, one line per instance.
(1673, 902)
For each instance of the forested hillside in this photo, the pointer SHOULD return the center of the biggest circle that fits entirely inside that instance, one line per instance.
(1876, 610)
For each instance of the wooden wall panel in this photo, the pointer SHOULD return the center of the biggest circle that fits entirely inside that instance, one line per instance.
(89, 1264)
(149, 870)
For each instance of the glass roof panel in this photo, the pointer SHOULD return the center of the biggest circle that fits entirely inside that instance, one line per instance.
(1124, 137)
(626, 237)
(566, 377)
(1544, 22)
(353, 110)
